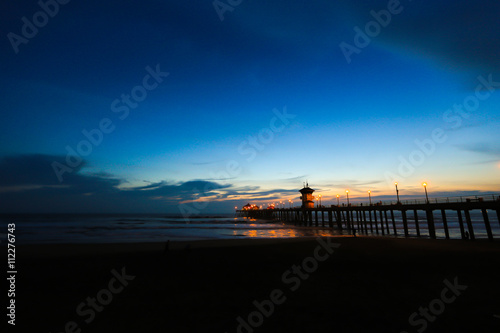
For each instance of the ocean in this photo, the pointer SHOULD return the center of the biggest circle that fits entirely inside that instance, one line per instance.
(123, 228)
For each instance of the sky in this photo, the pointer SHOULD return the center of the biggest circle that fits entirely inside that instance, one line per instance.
(193, 107)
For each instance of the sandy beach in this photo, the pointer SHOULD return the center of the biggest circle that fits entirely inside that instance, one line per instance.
(340, 284)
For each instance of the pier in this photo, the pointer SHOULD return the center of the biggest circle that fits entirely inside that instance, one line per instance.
(380, 219)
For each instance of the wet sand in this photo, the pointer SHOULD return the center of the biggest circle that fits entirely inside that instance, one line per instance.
(366, 284)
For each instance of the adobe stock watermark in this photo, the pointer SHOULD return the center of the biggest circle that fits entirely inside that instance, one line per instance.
(453, 116)
(425, 315)
(221, 7)
(93, 305)
(120, 106)
(372, 29)
(29, 29)
(249, 148)
(292, 278)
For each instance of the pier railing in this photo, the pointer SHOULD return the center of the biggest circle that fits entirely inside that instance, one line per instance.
(462, 198)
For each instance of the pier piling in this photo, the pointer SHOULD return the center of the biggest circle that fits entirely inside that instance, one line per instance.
(469, 224)
(445, 224)
(417, 226)
(487, 224)
(405, 223)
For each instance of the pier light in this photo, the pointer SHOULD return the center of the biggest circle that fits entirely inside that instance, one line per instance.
(347, 192)
(426, 195)
(236, 207)
(319, 200)
(370, 196)
(397, 191)
(338, 199)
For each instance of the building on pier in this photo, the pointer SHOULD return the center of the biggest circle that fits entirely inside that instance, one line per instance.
(307, 197)
(248, 206)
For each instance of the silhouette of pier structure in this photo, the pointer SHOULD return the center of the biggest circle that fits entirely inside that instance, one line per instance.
(379, 219)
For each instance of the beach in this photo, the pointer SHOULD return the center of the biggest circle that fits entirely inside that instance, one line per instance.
(335, 284)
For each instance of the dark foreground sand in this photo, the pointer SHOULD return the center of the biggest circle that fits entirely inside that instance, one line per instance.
(365, 285)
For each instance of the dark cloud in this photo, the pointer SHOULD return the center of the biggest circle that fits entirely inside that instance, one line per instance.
(37, 170)
(29, 183)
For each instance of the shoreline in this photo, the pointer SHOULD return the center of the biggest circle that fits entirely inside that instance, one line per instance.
(70, 249)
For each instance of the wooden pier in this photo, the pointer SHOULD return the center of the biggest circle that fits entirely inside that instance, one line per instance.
(380, 219)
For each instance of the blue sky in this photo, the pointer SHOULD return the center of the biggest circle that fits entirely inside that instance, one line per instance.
(270, 73)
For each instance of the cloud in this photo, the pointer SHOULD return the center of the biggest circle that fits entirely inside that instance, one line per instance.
(481, 147)
(36, 170)
(465, 127)
(485, 162)
(28, 184)
(295, 179)
(352, 184)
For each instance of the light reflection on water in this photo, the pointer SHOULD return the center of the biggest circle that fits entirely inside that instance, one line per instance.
(286, 232)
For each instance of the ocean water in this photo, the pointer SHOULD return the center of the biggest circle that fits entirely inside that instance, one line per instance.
(113, 228)
(39, 229)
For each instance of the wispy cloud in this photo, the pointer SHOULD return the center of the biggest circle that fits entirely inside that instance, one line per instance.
(295, 179)
(485, 162)
(481, 147)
